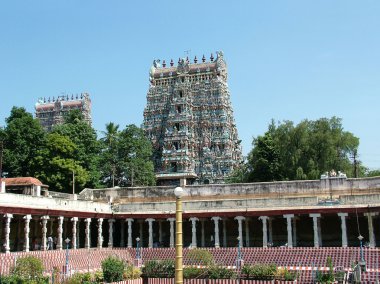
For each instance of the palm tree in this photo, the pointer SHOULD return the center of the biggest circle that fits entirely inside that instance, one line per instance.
(110, 149)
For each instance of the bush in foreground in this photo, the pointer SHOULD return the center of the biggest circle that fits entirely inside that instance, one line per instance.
(159, 269)
(199, 257)
(113, 269)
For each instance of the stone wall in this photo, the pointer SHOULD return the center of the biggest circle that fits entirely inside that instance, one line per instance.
(40, 202)
(263, 189)
(227, 197)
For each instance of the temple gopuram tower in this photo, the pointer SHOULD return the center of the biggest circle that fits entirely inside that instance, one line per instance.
(189, 119)
(51, 112)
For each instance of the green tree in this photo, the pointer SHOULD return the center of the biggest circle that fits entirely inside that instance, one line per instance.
(110, 166)
(304, 151)
(264, 159)
(23, 136)
(56, 161)
(87, 146)
(135, 153)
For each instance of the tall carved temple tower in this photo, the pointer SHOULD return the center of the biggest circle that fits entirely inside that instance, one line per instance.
(51, 112)
(189, 119)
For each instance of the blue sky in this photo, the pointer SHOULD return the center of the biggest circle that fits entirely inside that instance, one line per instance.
(287, 60)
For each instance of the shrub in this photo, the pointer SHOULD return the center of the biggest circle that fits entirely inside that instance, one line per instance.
(113, 269)
(29, 269)
(199, 257)
(260, 271)
(159, 268)
(284, 274)
(194, 272)
(131, 272)
(326, 277)
(76, 278)
(85, 278)
(98, 276)
(219, 272)
(8, 279)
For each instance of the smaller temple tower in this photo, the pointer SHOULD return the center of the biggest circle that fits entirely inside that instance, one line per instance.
(51, 112)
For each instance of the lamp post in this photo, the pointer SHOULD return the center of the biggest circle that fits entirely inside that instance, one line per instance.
(138, 256)
(362, 261)
(239, 261)
(67, 241)
(178, 192)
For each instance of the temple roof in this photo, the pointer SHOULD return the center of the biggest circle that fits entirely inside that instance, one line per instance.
(23, 181)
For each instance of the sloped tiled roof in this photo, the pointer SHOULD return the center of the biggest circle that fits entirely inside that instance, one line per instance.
(23, 181)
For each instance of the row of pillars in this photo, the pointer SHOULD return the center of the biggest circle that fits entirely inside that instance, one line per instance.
(266, 230)
(59, 245)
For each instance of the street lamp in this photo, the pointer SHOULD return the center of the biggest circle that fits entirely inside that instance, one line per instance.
(67, 241)
(138, 256)
(138, 261)
(178, 192)
(239, 253)
(362, 261)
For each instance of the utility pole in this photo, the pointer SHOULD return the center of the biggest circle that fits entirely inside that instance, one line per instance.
(132, 177)
(73, 182)
(355, 155)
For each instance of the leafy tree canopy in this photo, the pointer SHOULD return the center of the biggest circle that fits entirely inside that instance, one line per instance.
(56, 162)
(126, 157)
(23, 136)
(87, 146)
(304, 151)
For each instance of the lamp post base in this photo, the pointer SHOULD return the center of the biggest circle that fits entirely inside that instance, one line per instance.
(363, 265)
(137, 262)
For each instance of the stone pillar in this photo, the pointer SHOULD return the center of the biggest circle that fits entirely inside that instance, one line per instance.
(87, 242)
(216, 230)
(264, 219)
(315, 228)
(343, 228)
(59, 233)
(289, 229)
(171, 220)
(100, 233)
(160, 232)
(270, 235)
(129, 242)
(78, 235)
(150, 230)
(203, 232)
(372, 240)
(247, 232)
(122, 229)
(194, 231)
(74, 220)
(7, 232)
(110, 232)
(44, 220)
(26, 231)
(295, 231)
(224, 220)
(240, 229)
(319, 232)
